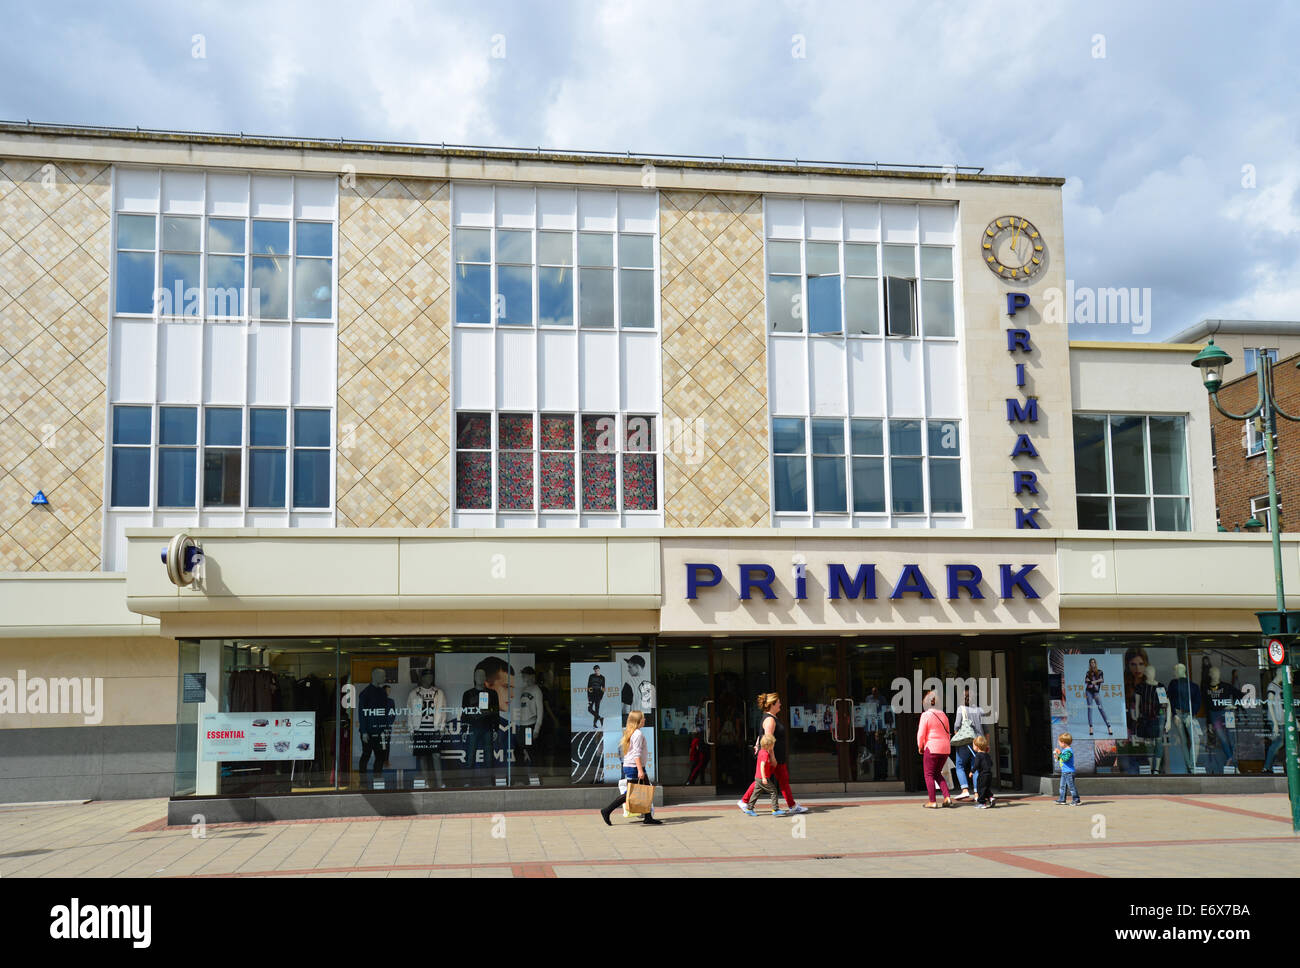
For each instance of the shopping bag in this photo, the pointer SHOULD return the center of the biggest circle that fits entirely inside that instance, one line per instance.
(640, 797)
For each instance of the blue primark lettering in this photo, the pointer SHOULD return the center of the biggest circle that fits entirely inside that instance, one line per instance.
(1016, 300)
(757, 576)
(862, 585)
(1020, 579)
(1018, 339)
(971, 582)
(1025, 481)
(1029, 412)
(1024, 446)
(1020, 374)
(693, 583)
(911, 580)
(1027, 518)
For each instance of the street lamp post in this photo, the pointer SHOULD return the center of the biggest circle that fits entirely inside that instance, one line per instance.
(1211, 362)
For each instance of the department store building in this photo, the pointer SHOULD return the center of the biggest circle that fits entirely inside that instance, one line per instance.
(349, 478)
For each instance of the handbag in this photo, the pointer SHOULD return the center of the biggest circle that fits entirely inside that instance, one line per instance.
(640, 797)
(965, 734)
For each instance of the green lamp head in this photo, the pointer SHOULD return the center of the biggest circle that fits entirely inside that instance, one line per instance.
(1253, 524)
(1211, 362)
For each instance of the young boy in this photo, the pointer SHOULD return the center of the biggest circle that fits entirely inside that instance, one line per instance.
(763, 782)
(1064, 757)
(983, 770)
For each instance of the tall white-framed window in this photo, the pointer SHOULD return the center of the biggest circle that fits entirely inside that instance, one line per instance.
(222, 351)
(1251, 356)
(555, 325)
(1253, 437)
(1131, 472)
(864, 331)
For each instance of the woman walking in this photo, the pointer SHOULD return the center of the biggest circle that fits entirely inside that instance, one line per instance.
(770, 705)
(932, 743)
(964, 755)
(633, 748)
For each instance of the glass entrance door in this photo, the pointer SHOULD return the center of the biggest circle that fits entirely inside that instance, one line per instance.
(873, 743)
(814, 718)
(741, 670)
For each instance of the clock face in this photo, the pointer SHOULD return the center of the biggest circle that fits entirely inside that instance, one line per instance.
(1013, 248)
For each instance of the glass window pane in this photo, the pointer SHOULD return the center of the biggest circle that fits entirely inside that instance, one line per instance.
(1094, 513)
(225, 285)
(266, 478)
(1168, 456)
(905, 438)
(130, 483)
(555, 248)
(270, 237)
(134, 282)
(315, 238)
(311, 478)
(862, 306)
(599, 491)
(176, 477)
(226, 235)
(1131, 514)
(473, 245)
(595, 249)
(180, 279)
(824, 305)
(827, 436)
(269, 295)
(473, 480)
(557, 431)
(515, 431)
(131, 425)
(313, 289)
(828, 484)
(599, 433)
(944, 438)
(266, 427)
(789, 483)
(177, 425)
(945, 486)
(135, 231)
(223, 426)
(473, 304)
(473, 431)
(787, 435)
(1172, 513)
(900, 261)
(906, 481)
(937, 308)
(868, 436)
(868, 484)
(860, 259)
(554, 297)
(1090, 454)
(783, 257)
(823, 258)
(222, 478)
(556, 478)
(783, 311)
(596, 297)
(636, 298)
(636, 252)
(1128, 457)
(514, 247)
(639, 487)
(515, 295)
(311, 428)
(639, 434)
(900, 306)
(181, 234)
(936, 262)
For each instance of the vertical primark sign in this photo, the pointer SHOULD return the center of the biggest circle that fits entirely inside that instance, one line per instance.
(1022, 412)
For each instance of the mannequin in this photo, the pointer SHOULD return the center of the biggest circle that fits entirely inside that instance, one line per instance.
(426, 719)
(1152, 717)
(377, 713)
(1184, 701)
(872, 708)
(1275, 719)
(527, 723)
(1219, 698)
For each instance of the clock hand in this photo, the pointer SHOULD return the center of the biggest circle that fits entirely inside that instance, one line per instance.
(1015, 231)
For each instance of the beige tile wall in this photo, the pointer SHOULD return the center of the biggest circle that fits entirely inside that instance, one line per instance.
(714, 360)
(54, 255)
(394, 366)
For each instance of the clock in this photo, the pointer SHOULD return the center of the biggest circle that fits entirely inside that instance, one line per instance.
(1013, 248)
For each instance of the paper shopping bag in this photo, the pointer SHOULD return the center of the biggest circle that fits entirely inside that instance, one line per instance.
(640, 797)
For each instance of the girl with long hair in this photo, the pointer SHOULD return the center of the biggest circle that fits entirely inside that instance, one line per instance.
(633, 748)
(770, 705)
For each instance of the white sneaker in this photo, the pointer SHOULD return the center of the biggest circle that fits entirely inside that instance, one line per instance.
(964, 795)
(798, 808)
(744, 807)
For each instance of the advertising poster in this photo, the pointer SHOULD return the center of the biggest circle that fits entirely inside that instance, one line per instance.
(258, 736)
(613, 759)
(636, 690)
(484, 690)
(593, 706)
(1094, 697)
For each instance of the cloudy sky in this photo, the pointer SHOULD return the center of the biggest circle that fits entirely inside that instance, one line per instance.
(1176, 125)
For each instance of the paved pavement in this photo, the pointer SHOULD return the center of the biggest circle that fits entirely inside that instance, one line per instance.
(1114, 836)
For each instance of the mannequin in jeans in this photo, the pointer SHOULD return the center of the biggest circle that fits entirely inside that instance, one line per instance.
(1184, 701)
(1152, 717)
(964, 756)
(1220, 699)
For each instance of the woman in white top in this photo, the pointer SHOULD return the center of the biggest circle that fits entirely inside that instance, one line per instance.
(964, 756)
(633, 748)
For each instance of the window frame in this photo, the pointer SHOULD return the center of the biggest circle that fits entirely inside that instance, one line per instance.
(1111, 495)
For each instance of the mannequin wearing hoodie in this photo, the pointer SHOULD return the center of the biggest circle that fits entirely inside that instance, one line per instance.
(1184, 701)
(1220, 697)
(377, 712)
(426, 719)
(1152, 717)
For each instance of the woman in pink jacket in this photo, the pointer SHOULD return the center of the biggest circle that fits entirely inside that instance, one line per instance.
(932, 743)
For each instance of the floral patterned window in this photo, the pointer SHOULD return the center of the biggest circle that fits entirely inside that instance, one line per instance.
(599, 450)
(515, 461)
(639, 483)
(557, 475)
(473, 461)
